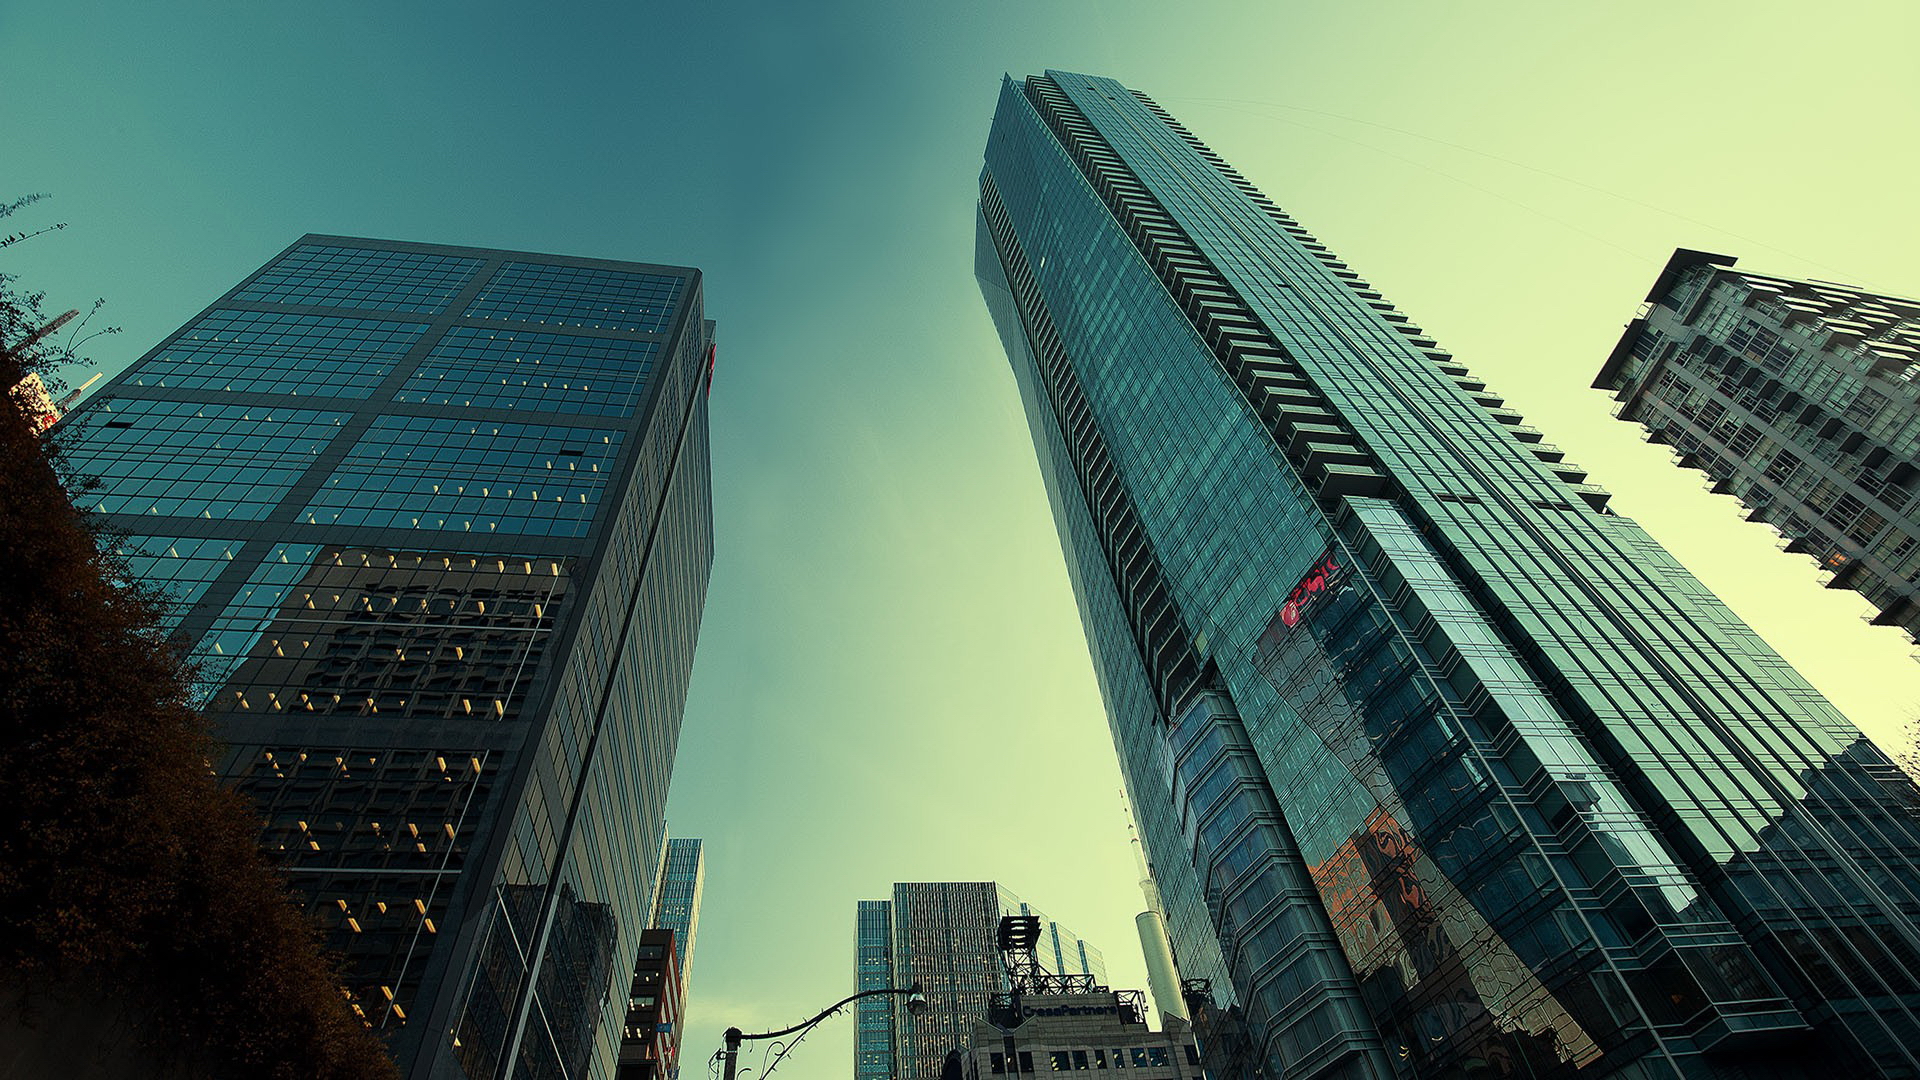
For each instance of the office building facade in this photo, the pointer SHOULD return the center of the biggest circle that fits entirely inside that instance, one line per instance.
(942, 936)
(435, 525)
(656, 1011)
(1083, 1029)
(676, 899)
(1440, 766)
(676, 915)
(874, 1051)
(1048, 1022)
(1798, 398)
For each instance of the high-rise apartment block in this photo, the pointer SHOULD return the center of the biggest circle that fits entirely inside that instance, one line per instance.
(1442, 769)
(941, 935)
(436, 525)
(1800, 399)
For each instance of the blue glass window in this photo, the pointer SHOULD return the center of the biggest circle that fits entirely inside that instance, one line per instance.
(191, 460)
(411, 472)
(578, 296)
(523, 370)
(266, 352)
(180, 567)
(324, 276)
(232, 635)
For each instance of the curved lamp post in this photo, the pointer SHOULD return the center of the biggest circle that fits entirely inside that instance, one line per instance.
(916, 1006)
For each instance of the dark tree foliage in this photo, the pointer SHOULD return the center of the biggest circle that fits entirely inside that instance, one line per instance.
(127, 874)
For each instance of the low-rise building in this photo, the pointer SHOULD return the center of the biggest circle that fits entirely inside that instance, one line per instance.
(1083, 1029)
(1058, 1023)
(650, 1044)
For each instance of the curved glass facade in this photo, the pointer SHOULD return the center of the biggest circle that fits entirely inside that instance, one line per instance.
(1442, 768)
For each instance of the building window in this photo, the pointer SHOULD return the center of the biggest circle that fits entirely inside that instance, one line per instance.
(1060, 1060)
(997, 1063)
(1079, 1060)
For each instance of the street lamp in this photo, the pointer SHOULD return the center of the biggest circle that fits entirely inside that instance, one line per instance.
(916, 1006)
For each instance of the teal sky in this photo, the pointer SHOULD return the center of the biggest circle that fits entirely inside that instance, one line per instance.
(892, 684)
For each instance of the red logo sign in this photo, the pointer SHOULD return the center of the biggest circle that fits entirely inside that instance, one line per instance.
(1326, 575)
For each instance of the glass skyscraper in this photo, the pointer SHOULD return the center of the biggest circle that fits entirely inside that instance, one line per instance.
(676, 900)
(1442, 769)
(944, 936)
(652, 1034)
(436, 526)
(1799, 399)
(873, 1048)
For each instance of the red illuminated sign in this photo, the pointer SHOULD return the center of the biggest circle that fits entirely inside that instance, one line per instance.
(1326, 575)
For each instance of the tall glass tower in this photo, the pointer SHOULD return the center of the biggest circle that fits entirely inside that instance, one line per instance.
(436, 525)
(874, 1053)
(1443, 769)
(676, 900)
(944, 936)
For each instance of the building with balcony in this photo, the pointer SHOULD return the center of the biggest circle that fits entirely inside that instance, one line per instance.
(1800, 399)
(1442, 768)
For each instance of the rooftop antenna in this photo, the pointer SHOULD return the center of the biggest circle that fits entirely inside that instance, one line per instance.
(1163, 978)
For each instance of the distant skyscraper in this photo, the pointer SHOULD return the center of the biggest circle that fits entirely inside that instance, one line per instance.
(676, 911)
(1801, 399)
(1442, 769)
(436, 523)
(942, 936)
(676, 900)
(873, 1045)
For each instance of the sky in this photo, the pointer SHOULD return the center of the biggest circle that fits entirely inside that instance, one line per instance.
(891, 683)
